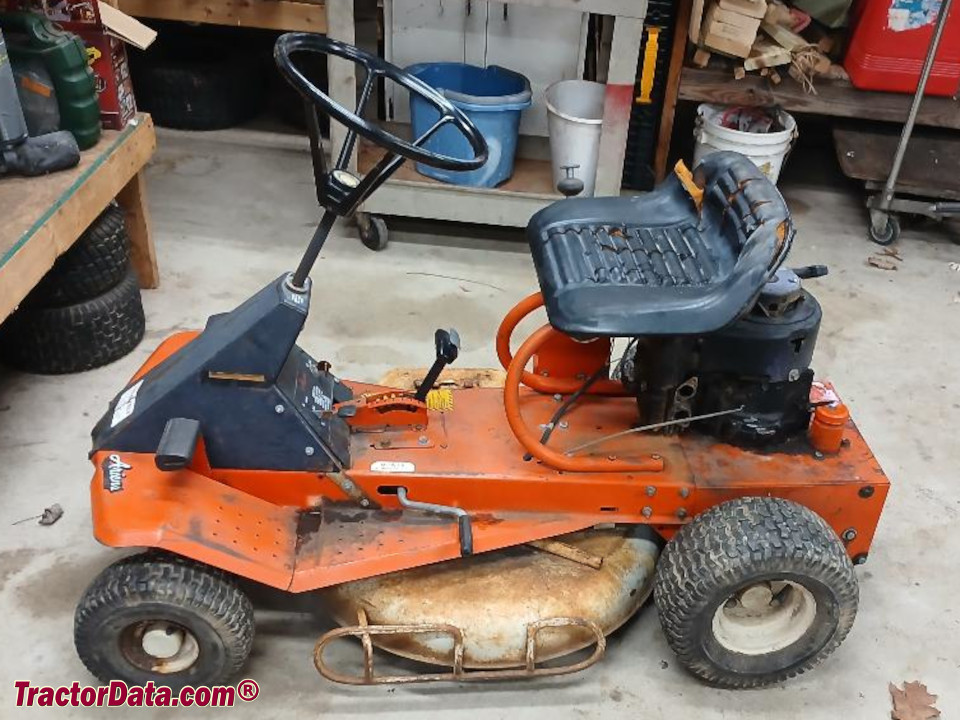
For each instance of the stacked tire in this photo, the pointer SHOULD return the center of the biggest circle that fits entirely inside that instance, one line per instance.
(86, 312)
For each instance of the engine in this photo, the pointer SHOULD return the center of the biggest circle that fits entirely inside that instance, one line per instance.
(753, 376)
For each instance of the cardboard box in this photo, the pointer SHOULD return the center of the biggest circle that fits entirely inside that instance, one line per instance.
(108, 60)
(104, 30)
(69, 14)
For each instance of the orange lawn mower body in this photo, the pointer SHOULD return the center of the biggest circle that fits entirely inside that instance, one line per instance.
(234, 455)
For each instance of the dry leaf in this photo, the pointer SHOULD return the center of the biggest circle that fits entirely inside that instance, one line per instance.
(893, 252)
(882, 262)
(913, 702)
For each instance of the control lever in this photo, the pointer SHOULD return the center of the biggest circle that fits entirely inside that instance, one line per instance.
(807, 272)
(570, 185)
(448, 347)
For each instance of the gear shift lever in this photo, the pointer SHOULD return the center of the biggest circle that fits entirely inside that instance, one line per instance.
(448, 347)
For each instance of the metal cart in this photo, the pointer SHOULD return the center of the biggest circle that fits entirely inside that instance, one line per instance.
(409, 194)
(884, 227)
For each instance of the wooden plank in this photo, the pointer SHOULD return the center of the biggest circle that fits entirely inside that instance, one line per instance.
(143, 256)
(834, 98)
(43, 217)
(306, 15)
(672, 90)
(529, 176)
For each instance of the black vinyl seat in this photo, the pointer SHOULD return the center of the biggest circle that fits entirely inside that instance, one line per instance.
(654, 264)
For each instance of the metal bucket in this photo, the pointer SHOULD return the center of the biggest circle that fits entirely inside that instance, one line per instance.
(493, 597)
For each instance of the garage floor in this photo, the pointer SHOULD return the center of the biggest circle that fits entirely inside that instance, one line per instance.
(229, 219)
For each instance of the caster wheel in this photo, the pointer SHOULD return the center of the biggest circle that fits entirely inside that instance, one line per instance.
(755, 591)
(890, 233)
(373, 233)
(162, 618)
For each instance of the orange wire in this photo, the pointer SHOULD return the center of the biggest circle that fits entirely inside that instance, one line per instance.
(529, 440)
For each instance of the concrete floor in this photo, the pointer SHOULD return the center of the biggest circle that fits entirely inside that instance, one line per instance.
(228, 219)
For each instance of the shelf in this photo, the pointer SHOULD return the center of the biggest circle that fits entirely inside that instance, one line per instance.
(530, 177)
(834, 98)
(44, 216)
(410, 194)
(305, 15)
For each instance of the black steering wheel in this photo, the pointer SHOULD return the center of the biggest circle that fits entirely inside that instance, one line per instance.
(344, 200)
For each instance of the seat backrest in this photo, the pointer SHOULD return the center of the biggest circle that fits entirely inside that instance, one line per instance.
(741, 205)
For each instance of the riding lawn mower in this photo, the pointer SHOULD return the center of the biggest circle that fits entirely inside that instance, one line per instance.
(663, 434)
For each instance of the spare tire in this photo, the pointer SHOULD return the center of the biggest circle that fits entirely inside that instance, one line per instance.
(199, 85)
(73, 338)
(96, 262)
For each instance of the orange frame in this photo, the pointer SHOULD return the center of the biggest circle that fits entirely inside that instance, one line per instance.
(301, 531)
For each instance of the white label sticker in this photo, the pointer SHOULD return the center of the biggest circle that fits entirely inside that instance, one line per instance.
(126, 404)
(386, 466)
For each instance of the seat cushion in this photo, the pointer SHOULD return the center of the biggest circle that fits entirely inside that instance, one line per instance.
(654, 264)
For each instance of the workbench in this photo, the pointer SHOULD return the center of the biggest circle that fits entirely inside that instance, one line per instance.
(40, 218)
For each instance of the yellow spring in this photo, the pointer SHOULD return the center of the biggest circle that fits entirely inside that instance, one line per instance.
(440, 399)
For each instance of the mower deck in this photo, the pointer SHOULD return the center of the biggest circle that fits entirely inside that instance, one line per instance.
(301, 531)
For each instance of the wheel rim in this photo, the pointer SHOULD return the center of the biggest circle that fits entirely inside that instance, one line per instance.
(764, 617)
(159, 646)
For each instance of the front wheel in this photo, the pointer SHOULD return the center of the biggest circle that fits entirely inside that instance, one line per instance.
(166, 619)
(755, 591)
(373, 232)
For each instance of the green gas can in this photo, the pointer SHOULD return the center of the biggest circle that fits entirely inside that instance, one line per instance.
(65, 57)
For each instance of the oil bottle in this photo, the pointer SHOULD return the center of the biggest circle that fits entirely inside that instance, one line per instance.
(65, 57)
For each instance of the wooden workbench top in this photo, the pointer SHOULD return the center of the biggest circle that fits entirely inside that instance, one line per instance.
(838, 98)
(42, 217)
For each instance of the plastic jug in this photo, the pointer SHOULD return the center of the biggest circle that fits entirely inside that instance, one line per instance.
(32, 36)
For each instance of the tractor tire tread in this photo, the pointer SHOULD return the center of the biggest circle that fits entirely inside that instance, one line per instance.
(76, 337)
(94, 264)
(714, 551)
(168, 578)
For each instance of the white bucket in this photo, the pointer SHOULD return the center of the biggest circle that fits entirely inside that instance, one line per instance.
(767, 150)
(574, 116)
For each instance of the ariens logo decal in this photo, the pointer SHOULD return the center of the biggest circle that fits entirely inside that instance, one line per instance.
(114, 473)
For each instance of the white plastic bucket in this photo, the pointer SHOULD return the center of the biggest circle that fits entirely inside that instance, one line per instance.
(574, 117)
(767, 150)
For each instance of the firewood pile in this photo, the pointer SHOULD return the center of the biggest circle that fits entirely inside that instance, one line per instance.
(767, 38)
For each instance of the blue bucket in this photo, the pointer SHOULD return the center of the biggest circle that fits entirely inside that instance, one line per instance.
(492, 98)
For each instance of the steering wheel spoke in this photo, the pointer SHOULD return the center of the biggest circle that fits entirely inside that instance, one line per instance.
(433, 129)
(398, 149)
(346, 150)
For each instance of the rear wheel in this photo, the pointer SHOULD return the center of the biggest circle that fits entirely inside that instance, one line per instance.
(163, 618)
(755, 591)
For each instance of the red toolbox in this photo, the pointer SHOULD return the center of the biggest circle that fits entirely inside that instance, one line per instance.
(889, 42)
